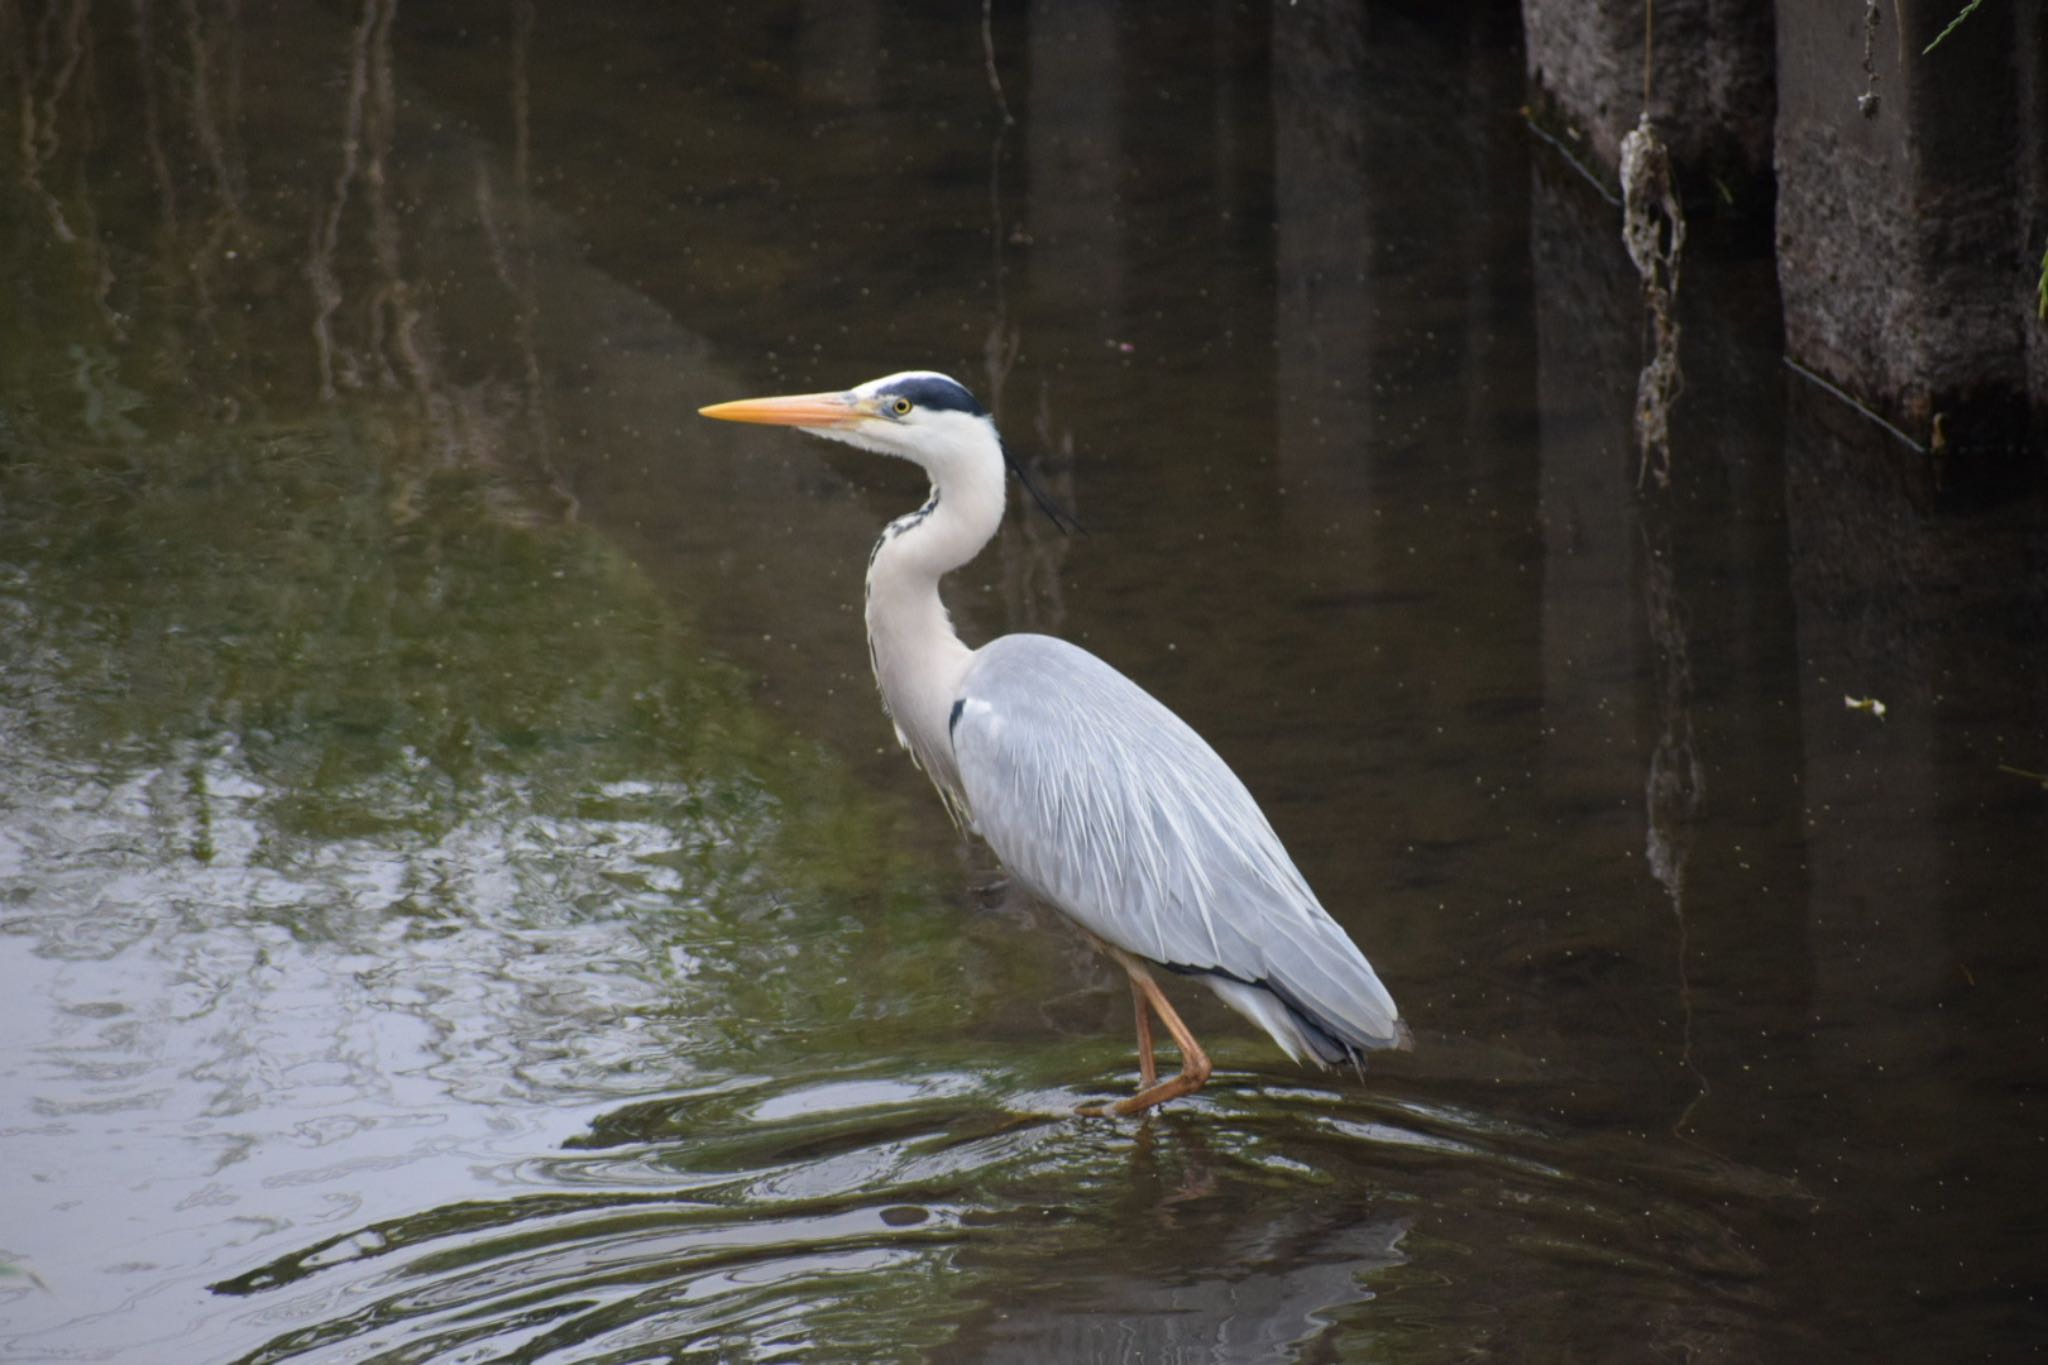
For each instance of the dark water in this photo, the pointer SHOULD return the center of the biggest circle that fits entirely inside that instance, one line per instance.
(459, 899)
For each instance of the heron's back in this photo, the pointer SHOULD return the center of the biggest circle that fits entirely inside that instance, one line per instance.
(1110, 807)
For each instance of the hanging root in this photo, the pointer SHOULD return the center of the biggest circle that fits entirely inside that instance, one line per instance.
(1653, 230)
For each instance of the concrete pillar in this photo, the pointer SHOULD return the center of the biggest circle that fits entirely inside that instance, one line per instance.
(1911, 215)
(1710, 78)
(1323, 249)
(1073, 128)
(2030, 42)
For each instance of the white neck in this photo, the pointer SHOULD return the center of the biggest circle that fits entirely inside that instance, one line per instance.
(919, 660)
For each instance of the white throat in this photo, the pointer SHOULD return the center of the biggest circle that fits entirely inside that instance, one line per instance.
(919, 661)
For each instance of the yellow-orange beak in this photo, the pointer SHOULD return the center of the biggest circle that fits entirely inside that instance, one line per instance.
(798, 410)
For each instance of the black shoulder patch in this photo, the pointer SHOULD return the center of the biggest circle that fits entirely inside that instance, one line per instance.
(938, 393)
(953, 720)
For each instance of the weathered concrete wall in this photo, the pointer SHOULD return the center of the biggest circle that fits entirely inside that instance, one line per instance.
(2030, 33)
(1910, 207)
(1710, 81)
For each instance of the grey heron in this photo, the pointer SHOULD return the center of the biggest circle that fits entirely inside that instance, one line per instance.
(1095, 796)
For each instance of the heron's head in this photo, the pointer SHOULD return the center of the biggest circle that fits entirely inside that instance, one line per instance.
(916, 415)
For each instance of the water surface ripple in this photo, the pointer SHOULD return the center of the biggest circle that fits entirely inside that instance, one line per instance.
(763, 1218)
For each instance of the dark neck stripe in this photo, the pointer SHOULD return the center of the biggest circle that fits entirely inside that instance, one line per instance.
(909, 520)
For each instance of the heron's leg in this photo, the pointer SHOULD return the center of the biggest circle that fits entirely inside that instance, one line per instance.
(1147, 1072)
(1194, 1063)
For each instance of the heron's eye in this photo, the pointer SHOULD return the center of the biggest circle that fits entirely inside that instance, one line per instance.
(900, 406)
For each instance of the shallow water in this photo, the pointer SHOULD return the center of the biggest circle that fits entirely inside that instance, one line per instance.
(459, 899)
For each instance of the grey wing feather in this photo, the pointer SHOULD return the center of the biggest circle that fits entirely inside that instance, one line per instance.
(1111, 808)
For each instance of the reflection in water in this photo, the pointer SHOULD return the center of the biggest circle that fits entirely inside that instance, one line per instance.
(45, 68)
(1031, 552)
(321, 266)
(388, 337)
(366, 853)
(512, 243)
(1323, 195)
(214, 44)
(1622, 541)
(1031, 548)
(1674, 788)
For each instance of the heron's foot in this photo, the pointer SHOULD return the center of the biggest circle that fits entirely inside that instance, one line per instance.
(1192, 1077)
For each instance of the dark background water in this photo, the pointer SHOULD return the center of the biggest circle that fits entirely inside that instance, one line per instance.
(459, 898)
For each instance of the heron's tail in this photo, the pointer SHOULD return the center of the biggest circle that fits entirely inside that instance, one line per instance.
(1303, 1032)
